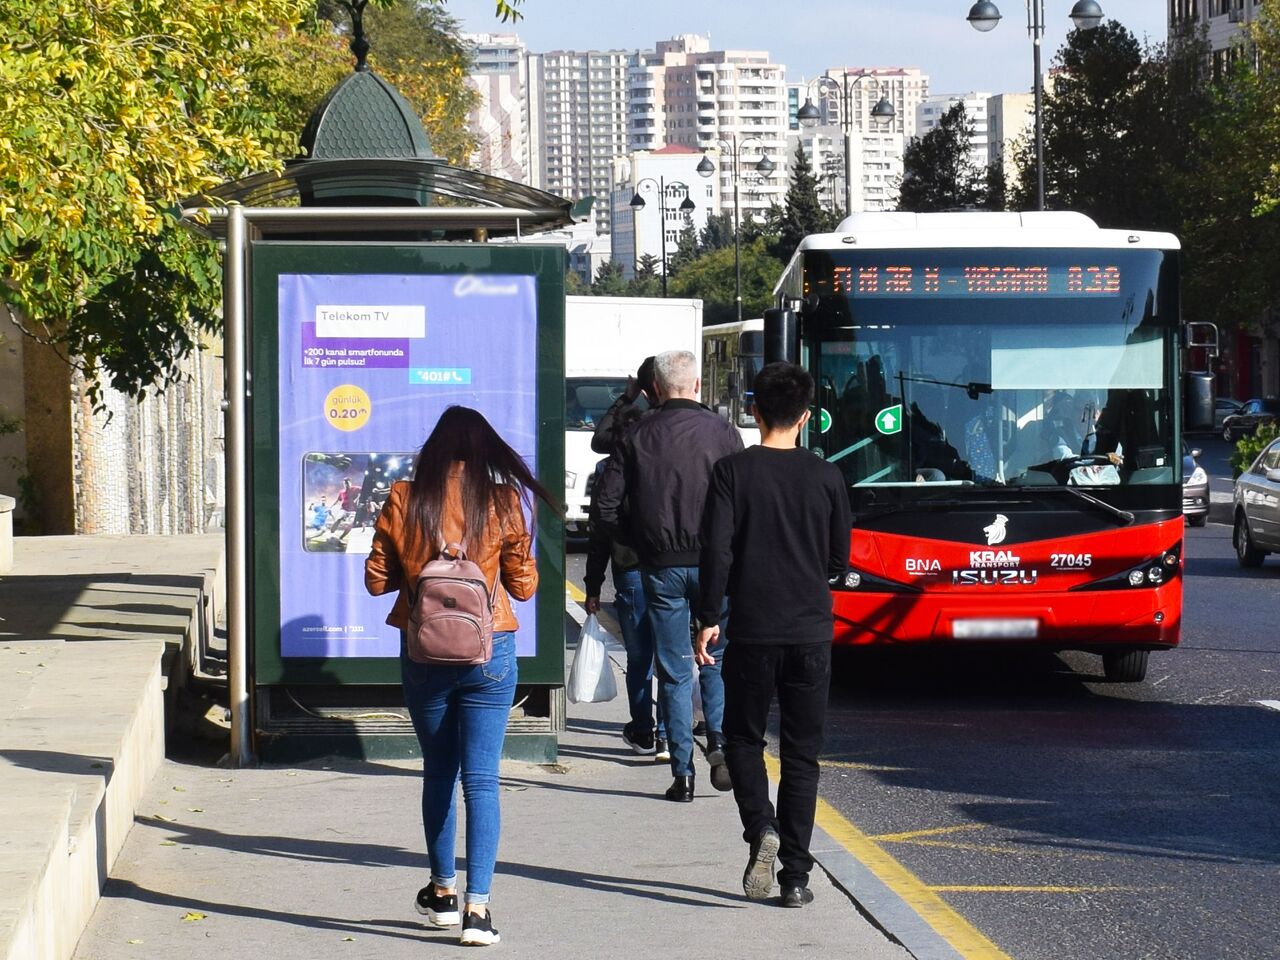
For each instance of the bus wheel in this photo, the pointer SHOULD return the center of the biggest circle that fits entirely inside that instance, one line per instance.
(1127, 666)
(1246, 552)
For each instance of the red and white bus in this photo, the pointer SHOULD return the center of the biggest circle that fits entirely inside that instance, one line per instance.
(1002, 393)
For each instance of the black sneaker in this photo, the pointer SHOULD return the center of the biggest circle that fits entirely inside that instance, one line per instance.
(640, 742)
(478, 931)
(661, 749)
(720, 778)
(795, 896)
(439, 909)
(757, 879)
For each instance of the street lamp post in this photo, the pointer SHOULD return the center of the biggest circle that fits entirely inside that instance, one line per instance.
(985, 15)
(808, 115)
(687, 206)
(765, 167)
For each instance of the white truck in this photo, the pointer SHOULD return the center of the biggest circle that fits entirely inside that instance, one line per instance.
(605, 340)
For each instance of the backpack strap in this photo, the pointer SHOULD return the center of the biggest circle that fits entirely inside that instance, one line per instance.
(456, 551)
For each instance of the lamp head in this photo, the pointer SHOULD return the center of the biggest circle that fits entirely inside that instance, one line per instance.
(983, 16)
(808, 115)
(883, 111)
(1086, 14)
(687, 205)
(705, 167)
(637, 201)
(765, 167)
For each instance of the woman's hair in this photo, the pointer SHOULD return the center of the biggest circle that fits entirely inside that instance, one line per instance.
(464, 435)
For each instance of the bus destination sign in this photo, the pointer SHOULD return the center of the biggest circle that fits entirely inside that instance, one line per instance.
(976, 280)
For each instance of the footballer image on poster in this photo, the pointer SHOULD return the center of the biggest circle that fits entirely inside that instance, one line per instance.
(342, 495)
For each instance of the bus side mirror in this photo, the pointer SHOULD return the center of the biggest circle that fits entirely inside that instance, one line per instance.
(732, 384)
(781, 335)
(1199, 401)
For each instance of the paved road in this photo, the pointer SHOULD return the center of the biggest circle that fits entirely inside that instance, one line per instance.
(1072, 819)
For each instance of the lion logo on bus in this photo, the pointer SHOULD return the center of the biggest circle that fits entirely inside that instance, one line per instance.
(996, 532)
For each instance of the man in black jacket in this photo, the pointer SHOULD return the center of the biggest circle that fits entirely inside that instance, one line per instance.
(662, 468)
(775, 532)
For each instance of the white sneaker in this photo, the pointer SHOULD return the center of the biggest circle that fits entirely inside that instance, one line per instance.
(478, 931)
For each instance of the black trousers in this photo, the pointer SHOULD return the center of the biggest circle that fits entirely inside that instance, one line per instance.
(800, 676)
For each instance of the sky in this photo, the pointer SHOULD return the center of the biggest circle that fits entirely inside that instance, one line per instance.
(929, 34)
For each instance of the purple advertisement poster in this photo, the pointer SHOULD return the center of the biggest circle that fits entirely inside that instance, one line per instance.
(367, 364)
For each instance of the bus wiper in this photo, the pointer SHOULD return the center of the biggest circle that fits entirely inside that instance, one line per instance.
(1124, 516)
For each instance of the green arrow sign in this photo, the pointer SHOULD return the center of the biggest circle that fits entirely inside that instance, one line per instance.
(889, 420)
(824, 420)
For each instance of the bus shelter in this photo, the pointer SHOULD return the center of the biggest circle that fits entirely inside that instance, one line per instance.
(361, 297)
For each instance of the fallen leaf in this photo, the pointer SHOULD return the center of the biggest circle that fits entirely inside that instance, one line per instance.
(226, 780)
(193, 916)
(167, 843)
(195, 810)
(291, 773)
(179, 789)
(161, 816)
(348, 939)
(133, 941)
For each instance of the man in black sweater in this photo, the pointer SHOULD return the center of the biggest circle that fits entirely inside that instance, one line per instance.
(775, 531)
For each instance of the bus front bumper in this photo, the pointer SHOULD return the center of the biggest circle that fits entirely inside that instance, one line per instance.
(1082, 620)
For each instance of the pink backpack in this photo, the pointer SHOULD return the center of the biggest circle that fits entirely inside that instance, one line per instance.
(451, 616)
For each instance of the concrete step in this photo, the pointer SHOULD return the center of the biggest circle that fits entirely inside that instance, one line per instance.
(81, 735)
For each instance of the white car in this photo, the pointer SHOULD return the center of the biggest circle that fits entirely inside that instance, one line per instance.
(1257, 508)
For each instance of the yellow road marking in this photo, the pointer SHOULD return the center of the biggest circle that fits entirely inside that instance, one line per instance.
(574, 591)
(932, 832)
(948, 888)
(951, 926)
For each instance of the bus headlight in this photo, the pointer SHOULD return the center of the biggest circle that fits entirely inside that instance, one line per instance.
(1136, 578)
(1155, 575)
(852, 580)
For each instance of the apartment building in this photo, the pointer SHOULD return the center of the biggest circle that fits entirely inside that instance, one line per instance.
(663, 178)
(931, 110)
(1010, 119)
(876, 167)
(904, 87)
(685, 94)
(577, 110)
(499, 117)
(1227, 22)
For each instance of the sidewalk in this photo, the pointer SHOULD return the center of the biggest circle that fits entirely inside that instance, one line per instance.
(324, 860)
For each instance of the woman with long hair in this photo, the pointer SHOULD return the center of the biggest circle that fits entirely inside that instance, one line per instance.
(469, 487)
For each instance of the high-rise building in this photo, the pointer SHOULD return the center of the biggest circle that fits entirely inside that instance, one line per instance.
(904, 87)
(498, 119)
(1010, 119)
(876, 166)
(685, 94)
(1226, 23)
(663, 178)
(931, 110)
(577, 107)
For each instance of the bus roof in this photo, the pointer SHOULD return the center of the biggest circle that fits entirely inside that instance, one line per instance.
(893, 231)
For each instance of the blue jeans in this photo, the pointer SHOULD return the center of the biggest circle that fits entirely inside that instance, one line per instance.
(670, 593)
(637, 637)
(460, 716)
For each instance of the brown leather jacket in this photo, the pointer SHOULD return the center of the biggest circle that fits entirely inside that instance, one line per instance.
(394, 564)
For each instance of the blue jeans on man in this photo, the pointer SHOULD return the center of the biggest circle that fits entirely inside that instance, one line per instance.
(670, 593)
(637, 637)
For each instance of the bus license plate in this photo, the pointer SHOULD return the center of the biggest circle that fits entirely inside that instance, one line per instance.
(995, 629)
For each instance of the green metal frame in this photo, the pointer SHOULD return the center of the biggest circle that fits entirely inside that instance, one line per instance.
(267, 261)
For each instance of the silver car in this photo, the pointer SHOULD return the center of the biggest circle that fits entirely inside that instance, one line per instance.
(1257, 508)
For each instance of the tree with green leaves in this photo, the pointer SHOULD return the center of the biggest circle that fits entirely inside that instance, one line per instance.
(937, 170)
(608, 280)
(711, 279)
(802, 213)
(115, 110)
(717, 233)
(686, 249)
(995, 190)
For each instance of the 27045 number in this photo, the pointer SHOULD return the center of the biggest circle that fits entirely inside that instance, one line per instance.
(1071, 561)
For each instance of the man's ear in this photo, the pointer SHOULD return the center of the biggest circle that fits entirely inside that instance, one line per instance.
(755, 412)
(804, 418)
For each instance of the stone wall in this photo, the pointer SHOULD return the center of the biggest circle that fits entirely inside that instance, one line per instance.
(155, 466)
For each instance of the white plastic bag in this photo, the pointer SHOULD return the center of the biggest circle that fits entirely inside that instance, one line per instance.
(591, 676)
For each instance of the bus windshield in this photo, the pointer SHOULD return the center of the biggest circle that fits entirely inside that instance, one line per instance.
(994, 368)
